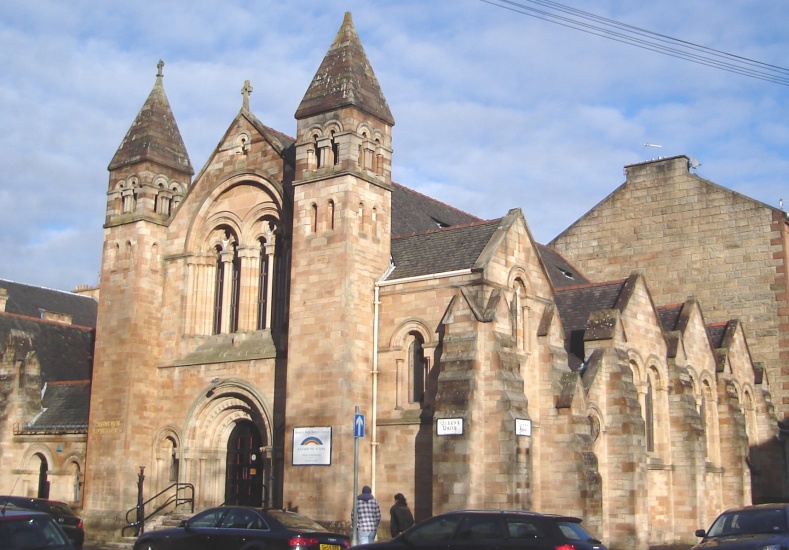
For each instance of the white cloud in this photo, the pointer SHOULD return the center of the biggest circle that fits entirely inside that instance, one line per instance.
(494, 109)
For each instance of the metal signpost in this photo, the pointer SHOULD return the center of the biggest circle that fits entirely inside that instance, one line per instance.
(358, 432)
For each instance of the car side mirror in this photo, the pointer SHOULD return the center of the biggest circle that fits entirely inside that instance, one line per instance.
(701, 533)
(184, 523)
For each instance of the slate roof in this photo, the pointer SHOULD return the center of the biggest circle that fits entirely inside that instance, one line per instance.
(717, 332)
(441, 250)
(29, 300)
(563, 274)
(669, 316)
(66, 407)
(345, 78)
(575, 305)
(413, 212)
(65, 352)
(154, 135)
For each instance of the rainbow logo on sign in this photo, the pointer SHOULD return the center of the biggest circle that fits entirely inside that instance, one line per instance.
(312, 440)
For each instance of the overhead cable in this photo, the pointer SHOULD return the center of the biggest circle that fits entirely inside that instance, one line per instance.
(641, 38)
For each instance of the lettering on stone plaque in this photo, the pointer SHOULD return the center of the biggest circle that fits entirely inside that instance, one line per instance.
(106, 427)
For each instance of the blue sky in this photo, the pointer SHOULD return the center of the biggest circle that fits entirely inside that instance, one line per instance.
(494, 110)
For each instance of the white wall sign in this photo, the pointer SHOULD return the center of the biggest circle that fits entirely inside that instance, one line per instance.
(523, 427)
(449, 426)
(312, 446)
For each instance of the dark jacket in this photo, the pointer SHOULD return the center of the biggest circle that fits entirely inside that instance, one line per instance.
(401, 519)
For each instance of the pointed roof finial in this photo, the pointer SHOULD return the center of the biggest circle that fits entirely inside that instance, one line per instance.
(344, 78)
(245, 91)
(154, 135)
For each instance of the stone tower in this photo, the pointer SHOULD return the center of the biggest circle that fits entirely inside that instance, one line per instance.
(341, 246)
(149, 175)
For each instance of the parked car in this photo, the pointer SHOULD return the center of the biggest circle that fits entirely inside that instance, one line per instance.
(22, 529)
(760, 527)
(64, 516)
(501, 529)
(235, 527)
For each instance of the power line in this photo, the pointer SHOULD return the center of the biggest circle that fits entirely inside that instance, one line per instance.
(641, 38)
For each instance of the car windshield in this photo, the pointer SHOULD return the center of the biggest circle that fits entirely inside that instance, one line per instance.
(31, 533)
(750, 521)
(296, 521)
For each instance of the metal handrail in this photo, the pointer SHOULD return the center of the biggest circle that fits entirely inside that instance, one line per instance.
(175, 498)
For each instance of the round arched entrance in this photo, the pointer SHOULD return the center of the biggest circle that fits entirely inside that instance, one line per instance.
(227, 449)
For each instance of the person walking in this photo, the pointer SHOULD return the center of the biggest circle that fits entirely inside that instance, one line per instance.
(368, 516)
(401, 517)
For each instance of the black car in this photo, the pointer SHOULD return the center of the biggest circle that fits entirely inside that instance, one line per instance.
(501, 529)
(30, 530)
(760, 527)
(64, 516)
(236, 527)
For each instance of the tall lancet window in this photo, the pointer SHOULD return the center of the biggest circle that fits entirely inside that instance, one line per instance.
(263, 290)
(649, 414)
(235, 290)
(416, 359)
(218, 290)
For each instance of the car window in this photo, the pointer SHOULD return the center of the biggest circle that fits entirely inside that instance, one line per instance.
(295, 521)
(573, 531)
(751, 521)
(434, 529)
(209, 518)
(57, 508)
(241, 518)
(525, 528)
(480, 527)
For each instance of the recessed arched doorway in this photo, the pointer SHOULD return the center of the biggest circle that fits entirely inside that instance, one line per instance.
(43, 477)
(246, 466)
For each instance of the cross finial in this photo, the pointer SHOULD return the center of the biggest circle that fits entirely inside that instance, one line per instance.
(159, 67)
(245, 91)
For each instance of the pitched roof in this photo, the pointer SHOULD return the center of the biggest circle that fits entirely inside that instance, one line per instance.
(30, 301)
(64, 352)
(345, 78)
(413, 212)
(669, 316)
(575, 305)
(66, 406)
(563, 274)
(440, 251)
(154, 135)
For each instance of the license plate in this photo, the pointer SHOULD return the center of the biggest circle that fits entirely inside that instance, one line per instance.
(330, 547)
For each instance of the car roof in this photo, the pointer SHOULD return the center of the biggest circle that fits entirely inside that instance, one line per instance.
(10, 513)
(765, 506)
(530, 513)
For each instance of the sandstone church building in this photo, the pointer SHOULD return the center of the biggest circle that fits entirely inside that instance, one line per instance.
(246, 311)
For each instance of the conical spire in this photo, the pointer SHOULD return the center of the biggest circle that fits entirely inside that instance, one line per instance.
(154, 135)
(344, 78)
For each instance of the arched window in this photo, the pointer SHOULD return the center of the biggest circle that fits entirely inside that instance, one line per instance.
(335, 149)
(417, 367)
(649, 415)
(43, 477)
(263, 290)
(227, 286)
(219, 290)
(235, 294)
(331, 214)
(314, 220)
(76, 482)
(317, 151)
